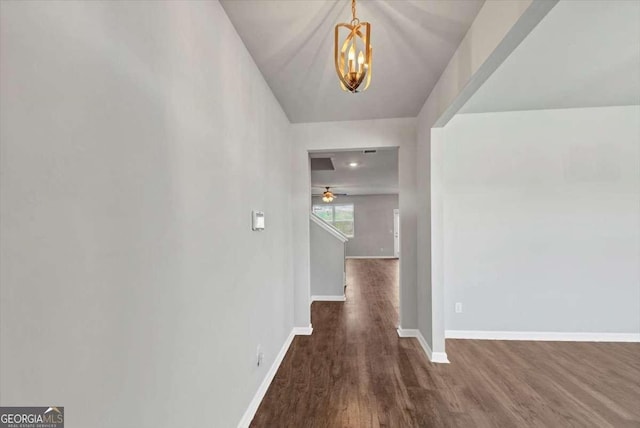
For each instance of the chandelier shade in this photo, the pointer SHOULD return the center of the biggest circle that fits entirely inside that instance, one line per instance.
(352, 54)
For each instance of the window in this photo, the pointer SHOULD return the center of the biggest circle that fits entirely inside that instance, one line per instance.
(340, 216)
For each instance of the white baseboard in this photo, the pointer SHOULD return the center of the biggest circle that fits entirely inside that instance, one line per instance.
(328, 298)
(303, 331)
(371, 257)
(439, 357)
(408, 332)
(434, 357)
(264, 386)
(553, 336)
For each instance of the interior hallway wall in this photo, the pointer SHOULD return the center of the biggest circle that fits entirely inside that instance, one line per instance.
(327, 262)
(542, 220)
(133, 291)
(373, 221)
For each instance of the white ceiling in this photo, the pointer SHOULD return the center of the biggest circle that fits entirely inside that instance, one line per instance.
(582, 54)
(292, 44)
(376, 173)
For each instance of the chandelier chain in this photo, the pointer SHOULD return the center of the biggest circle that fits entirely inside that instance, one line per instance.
(353, 10)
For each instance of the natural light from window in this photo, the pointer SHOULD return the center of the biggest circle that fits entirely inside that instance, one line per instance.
(339, 215)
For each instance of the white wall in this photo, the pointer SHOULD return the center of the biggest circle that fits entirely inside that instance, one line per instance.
(327, 262)
(133, 291)
(542, 220)
(322, 136)
(497, 30)
(373, 221)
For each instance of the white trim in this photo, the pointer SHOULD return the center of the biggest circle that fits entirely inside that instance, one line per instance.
(542, 336)
(396, 233)
(268, 377)
(434, 357)
(303, 331)
(329, 298)
(328, 227)
(408, 332)
(371, 257)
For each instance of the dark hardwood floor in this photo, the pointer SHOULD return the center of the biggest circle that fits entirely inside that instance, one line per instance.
(354, 371)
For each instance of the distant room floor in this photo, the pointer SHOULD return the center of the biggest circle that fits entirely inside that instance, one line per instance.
(354, 371)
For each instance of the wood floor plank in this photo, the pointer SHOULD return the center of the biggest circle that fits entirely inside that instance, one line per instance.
(354, 371)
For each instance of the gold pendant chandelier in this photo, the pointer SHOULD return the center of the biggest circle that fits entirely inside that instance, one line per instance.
(353, 69)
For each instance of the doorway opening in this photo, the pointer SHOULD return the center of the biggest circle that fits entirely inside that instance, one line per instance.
(355, 227)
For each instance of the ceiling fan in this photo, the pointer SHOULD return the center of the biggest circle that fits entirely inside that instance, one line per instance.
(328, 195)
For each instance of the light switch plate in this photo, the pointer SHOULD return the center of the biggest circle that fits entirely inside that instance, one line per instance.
(458, 308)
(257, 220)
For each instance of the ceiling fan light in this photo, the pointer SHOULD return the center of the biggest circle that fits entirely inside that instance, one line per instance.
(327, 196)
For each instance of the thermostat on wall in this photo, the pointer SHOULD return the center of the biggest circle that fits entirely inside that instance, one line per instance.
(257, 220)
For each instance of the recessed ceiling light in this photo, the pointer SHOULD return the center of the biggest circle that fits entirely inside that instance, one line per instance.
(353, 164)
